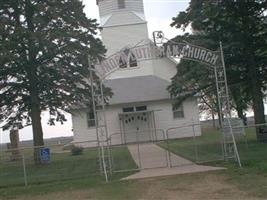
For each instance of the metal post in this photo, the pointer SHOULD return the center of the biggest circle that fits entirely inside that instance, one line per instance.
(96, 123)
(154, 38)
(121, 134)
(94, 110)
(24, 170)
(123, 129)
(166, 151)
(151, 126)
(109, 156)
(138, 149)
(220, 110)
(151, 138)
(103, 106)
(195, 143)
(154, 125)
(228, 108)
(225, 80)
(105, 120)
(168, 148)
(218, 96)
(103, 160)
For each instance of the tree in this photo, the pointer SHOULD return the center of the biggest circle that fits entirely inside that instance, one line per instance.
(44, 46)
(241, 26)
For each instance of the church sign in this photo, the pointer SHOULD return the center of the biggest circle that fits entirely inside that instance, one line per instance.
(190, 52)
(149, 51)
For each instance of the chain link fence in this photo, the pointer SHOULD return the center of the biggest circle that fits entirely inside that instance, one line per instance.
(165, 148)
(208, 148)
(57, 163)
(188, 145)
(135, 155)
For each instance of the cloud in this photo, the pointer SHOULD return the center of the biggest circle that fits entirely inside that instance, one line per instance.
(49, 131)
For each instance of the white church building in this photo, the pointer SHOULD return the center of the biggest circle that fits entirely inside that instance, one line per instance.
(141, 104)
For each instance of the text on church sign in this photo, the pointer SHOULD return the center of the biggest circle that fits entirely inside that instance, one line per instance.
(149, 51)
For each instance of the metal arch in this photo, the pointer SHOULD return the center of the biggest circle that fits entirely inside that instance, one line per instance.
(220, 76)
(111, 63)
(100, 128)
(223, 101)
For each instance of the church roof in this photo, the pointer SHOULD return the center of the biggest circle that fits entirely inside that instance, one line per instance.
(123, 18)
(137, 89)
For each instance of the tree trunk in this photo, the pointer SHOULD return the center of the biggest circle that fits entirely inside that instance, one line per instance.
(14, 145)
(253, 74)
(257, 99)
(35, 110)
(37, 130)
(259, 117)
(241, 115)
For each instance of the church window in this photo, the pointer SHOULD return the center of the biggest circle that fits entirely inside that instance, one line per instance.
(128, 109)
(91, 119)
(132, 60)
(178, 113)
(121, 4)
(140, 108)
(122, 63)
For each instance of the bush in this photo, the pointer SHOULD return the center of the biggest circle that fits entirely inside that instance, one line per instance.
(75, 150)
(67, 147)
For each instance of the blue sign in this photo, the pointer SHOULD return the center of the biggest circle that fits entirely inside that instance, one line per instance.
(45, 155)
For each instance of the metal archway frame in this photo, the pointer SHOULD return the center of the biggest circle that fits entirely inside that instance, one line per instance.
(213, 59)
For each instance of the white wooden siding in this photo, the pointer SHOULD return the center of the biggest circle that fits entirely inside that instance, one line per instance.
(118, 37)
(164, 120)
(107, 7)
(123, 18)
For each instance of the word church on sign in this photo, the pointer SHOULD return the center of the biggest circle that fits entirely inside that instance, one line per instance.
(149, 51)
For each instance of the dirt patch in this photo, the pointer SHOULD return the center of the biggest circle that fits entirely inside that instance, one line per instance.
(201, 186)
(75, 195)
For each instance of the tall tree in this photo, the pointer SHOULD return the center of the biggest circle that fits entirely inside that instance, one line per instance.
(199, 79)
(43, 57)
(241, 26)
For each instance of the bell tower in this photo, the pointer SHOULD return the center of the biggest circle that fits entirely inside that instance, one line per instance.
(123, 23)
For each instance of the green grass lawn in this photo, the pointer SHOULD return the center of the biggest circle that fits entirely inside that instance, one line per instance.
(63, 166)
(122, 160)
(205, 148)
(253, 174)
(75, 173)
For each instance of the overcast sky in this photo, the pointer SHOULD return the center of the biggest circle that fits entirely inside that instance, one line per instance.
(159, 15)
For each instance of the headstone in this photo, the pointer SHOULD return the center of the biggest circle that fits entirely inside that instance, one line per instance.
(14, 145)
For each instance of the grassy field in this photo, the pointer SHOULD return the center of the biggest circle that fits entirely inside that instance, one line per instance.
(63, 166)
(205, 148)
(75, 177)
(253, 174)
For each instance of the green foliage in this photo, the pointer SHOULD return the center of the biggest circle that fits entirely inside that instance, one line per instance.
(242, 28)
(44, 47)
(76, 150)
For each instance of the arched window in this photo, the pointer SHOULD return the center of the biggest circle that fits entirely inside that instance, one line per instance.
(132, 60)
(122, 63)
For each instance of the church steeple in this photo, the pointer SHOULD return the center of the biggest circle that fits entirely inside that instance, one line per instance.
(111, 8)
(123, 23)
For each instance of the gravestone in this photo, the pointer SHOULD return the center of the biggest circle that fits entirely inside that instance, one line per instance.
(14, 145)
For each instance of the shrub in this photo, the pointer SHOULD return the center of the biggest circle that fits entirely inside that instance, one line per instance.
(75, 150)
